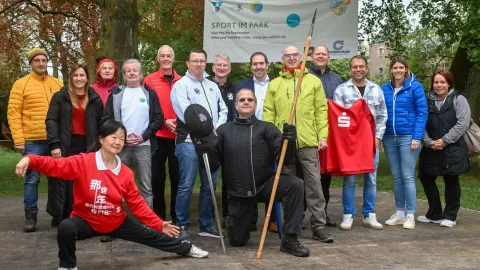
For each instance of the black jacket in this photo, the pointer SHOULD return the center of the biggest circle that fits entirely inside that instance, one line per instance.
(228, 96)
(453, 159)
(59, 120)
(247, 150)
(155, 112)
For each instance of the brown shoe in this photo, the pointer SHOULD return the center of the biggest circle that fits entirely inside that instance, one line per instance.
(273, 227)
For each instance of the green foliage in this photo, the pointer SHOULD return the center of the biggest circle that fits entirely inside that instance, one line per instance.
(385, 21)
(341, 67)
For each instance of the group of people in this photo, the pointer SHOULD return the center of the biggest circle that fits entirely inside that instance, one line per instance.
(144, 122)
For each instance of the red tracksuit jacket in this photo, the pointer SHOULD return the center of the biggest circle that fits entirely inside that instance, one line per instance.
(98, 193)
(351, 140)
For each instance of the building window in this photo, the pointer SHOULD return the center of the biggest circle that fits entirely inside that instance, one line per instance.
(381, 51)
(380, 71)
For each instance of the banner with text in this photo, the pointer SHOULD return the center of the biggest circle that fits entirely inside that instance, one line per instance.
(240, 28)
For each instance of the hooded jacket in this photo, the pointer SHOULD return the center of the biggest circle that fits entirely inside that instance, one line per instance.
(189, 90)
(448, 122)
(407, 109)
(103, 87)
(59, 120)
(162, 87)
(28, 105)
(311, 111)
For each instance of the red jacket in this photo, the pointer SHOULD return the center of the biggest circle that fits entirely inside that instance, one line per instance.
(351, 140)
(98, 192)
(157, 82)
(102, 87)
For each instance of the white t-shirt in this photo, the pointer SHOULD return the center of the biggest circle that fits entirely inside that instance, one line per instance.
(397, 89)
(260, 93)
(135, 111)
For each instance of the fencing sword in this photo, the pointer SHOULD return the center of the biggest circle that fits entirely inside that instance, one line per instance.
(210, 182)
(285, 141)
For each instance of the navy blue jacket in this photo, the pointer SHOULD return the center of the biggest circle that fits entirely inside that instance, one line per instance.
(248, 83)
(330, 80)
(407, 109)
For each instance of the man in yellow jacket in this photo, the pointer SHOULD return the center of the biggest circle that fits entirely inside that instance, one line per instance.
(27, 108)
(312, 128)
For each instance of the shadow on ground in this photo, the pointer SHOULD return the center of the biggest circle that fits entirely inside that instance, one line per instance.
(428, 246)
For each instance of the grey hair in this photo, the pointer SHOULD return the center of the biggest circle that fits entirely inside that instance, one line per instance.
(165, 47)
(222, 56)
(132, 61)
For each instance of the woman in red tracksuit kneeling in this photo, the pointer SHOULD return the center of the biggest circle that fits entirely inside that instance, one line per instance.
(101, 181)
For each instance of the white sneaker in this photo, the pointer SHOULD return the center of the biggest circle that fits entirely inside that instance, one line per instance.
(371, 221)
(424, 219)
(447, 223)
(395, 220)
(346, 222)
(196, 252)
(409, 222)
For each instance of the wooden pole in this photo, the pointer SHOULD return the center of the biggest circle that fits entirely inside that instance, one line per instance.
(284, 147)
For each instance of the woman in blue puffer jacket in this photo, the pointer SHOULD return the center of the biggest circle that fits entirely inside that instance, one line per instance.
(407, 116)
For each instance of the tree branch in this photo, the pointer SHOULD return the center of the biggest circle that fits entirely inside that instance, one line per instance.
(11, 6)
(54, 12)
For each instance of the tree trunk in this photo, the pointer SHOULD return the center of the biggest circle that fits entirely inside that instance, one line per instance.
(467, 80)
(119, 30)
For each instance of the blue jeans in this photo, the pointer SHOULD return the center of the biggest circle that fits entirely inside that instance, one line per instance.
(188, 166)
(369, 191)
(402, 160)
(32, 178)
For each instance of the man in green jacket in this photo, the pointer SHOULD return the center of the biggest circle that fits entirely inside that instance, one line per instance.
(312, 129)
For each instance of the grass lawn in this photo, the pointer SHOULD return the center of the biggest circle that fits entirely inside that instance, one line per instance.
(11, 185)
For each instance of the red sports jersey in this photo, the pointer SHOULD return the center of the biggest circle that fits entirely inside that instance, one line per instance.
(351, 140)
(98, 193)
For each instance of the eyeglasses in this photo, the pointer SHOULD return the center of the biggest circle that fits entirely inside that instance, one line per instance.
(197, 62)
(246, 99)
(289, 55)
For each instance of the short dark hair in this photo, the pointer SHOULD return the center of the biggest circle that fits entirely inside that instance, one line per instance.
(197, 51)
(358, 57)
(447, 75)
(258, 53)
(106, 129)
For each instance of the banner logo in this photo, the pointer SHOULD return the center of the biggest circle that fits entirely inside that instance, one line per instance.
(344, 121)
(293, 20)
(339, 7)
(216, 6)
(256, 7)
(338, 45)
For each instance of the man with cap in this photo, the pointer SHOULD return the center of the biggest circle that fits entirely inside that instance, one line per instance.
(247, 148)
(27, 109)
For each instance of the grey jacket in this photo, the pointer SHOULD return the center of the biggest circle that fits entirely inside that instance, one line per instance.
(463, 114)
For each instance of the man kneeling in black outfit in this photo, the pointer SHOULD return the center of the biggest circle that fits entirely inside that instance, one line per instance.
(247, 148)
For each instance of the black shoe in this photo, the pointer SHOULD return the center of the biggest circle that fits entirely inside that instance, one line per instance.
(30, 221)
(304, 227)
(55, 222)
(183, 234)
(330, 223)
(322, 236)
(106, 238)
(290, 244)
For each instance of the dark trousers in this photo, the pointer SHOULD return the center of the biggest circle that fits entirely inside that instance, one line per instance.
(224, 197)
(166, 150)
(76, 228)
(289, 192)
(452, 197)
(326, 180)
(60, 192)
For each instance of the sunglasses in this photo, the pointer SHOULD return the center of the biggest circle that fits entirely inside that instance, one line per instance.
(247, 99)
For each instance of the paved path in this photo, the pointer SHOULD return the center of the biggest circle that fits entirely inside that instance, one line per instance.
(428, 246)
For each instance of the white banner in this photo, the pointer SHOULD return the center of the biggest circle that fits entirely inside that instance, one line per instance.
(240, 28)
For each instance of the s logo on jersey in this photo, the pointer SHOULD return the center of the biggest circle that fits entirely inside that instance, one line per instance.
(344, 121)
